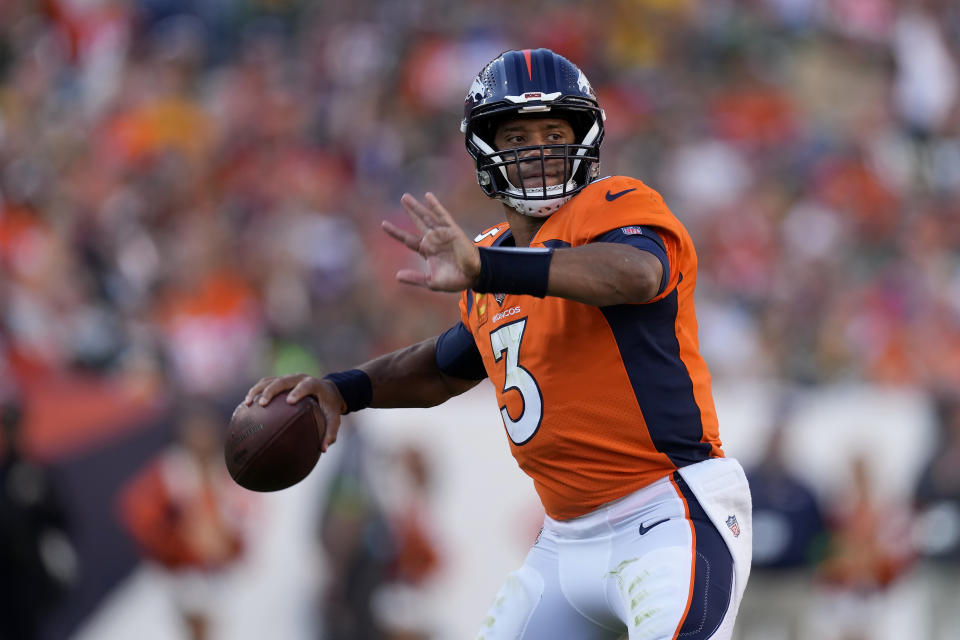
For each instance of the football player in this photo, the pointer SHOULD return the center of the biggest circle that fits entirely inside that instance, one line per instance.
(579, 308)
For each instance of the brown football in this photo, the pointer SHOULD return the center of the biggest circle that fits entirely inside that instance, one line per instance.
(273, 447)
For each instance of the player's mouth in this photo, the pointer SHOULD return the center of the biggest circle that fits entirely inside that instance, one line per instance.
(535, 179)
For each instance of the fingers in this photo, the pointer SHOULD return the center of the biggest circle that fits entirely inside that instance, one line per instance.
(257, 388)
(278, 386)
(332, 421)
(302, 386)
(306, 387)
(411, 276)
(410, 240)
(440, 212)
(431, 215)
(424, 217)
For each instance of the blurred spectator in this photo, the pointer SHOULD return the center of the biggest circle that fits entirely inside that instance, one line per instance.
(789, 540)
(222, 184)
(189, 518)
(378, 535)
(360, 547)
(926, 81)
(183, 183)
(38, 563)
(938, 531)
(870, 549)
(403, 602)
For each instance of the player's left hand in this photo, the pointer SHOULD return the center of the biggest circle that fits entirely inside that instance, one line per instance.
(453, 261)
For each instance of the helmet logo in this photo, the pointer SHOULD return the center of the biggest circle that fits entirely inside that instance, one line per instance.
(583, 84)
(530, 96)
(477, 90)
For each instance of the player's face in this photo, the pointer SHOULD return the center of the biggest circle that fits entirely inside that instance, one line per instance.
(526, 132)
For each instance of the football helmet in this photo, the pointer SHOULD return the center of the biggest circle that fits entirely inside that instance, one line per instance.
(532, 82)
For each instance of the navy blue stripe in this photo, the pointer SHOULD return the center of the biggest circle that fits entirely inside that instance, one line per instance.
(556, 244)
(551, 74)
(469, 300)
(647, 339)
(713, 573)
(531, 80)
(457, 354)
(520, 73)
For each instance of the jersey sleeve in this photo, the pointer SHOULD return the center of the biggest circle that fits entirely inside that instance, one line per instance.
(457, 355)
(635, 209)
(645, 239)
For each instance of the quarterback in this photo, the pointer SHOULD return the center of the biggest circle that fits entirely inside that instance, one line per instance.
(579, 308)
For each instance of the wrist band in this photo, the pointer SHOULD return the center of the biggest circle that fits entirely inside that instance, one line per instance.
(354, 386)
(519, 271)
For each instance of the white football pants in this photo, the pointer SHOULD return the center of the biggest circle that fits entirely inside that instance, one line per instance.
(668, 561)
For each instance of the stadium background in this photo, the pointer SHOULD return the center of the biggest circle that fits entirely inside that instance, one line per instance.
(191, 192)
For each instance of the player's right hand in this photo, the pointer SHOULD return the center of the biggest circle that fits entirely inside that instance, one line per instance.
(452, 259)
(299, 386)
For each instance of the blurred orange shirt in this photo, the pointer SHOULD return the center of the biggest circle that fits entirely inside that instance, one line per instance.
(184, 518)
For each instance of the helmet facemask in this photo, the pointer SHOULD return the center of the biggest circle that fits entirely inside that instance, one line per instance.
(580, 165)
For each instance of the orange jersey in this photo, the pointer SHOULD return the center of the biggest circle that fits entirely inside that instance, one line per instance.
(599, 402)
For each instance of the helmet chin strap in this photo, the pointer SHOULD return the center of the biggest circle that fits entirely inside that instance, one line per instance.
(534, 208)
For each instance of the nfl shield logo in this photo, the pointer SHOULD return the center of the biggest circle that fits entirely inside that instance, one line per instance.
(734, 526)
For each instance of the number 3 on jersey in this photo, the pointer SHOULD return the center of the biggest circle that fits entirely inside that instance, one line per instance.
(507, 339)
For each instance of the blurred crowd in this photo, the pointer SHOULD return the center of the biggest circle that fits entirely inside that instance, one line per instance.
(191, 191)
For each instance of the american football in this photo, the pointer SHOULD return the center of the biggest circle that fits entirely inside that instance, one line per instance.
(273, 447)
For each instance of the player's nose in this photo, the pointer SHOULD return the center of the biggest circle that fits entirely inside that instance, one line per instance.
(537, 144)
(529, 153)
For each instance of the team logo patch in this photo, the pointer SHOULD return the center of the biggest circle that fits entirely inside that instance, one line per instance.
(631, 231)
(734, 526)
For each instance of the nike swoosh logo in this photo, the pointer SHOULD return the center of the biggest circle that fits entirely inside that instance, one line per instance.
(644, 529)
(613, 196)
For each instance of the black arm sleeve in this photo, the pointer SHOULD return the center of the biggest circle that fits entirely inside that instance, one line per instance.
(457, 354)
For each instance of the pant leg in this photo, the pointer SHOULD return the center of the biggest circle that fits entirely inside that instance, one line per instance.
(672, 573)
(531, 604)
(649, 583)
